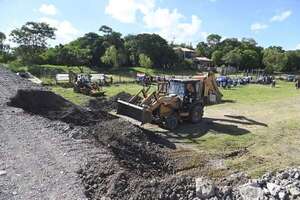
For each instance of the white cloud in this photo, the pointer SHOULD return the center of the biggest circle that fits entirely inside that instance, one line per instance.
(65, 32)
(298, 46)
(256, 27)
(126, 10)
(170, 24)
(282, 16)
(162, 18)
(48, 9)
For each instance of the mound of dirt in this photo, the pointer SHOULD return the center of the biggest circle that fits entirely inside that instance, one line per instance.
(108, 104)
(140, 168)
(55, 107)
(133, 147)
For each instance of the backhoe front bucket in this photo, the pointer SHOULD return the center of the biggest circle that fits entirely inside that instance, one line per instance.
(133, 111)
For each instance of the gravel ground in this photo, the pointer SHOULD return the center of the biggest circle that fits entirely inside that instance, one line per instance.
(37, 158)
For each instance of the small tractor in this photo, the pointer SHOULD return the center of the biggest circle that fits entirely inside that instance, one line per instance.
(174, 101)
(82, 84)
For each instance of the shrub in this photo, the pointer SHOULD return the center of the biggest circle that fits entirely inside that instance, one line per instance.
(145, 61)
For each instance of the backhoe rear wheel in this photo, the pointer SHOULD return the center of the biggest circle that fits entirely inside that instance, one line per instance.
(196, 114)
(171, 122)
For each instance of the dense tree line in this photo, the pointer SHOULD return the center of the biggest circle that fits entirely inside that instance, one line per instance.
(246, 54)
(109, 49)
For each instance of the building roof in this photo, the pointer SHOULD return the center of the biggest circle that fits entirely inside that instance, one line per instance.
(203, 59)
(184, 49)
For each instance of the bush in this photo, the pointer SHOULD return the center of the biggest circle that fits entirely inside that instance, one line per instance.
(145, 61)
(46, 70)
(17, 66)
(186, 64)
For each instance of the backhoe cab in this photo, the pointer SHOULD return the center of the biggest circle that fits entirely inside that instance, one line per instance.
(173, 102)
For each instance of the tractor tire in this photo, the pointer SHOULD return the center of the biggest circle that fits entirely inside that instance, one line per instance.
(171, 122)
(196, 114)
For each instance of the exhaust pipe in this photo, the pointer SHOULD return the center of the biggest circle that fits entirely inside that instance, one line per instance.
(133, 111)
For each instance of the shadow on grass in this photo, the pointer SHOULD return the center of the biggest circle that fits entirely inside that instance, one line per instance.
(222, 102)
(244, 120)
(193, 132)
(228, 101)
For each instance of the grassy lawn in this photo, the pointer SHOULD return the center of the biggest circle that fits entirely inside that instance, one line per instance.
(131, 88)
(69, 94)
(252, 93)
(259, 121)
(72, 96)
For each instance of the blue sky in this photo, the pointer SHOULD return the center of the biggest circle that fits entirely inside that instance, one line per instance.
(269, 22)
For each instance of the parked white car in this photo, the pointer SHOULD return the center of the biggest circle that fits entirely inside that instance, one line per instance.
(30, 77)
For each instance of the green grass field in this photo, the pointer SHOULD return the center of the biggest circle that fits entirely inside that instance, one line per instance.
(72, 96)
(69, 94)
(260, 93)
(260, 121)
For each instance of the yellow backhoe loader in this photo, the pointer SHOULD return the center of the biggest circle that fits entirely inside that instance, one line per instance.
(173, 102)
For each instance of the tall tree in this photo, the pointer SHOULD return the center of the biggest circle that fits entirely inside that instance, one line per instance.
(152, 45)
(293, 63)
(217, 57)
(249, 41)
(229, 44)
(114, 57)
(94, 43)
(233, 58)
(203, 49)
(2, 38)
(106, 30)
(250, 59)
(145, 61)
(274, 59)
(32, 39)
(213, 39)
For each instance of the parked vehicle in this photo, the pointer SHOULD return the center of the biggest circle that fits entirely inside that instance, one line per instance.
(291, 78)
(174, 101)
(29, 77)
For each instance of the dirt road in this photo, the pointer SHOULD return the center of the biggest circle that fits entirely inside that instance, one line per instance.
(37, 158)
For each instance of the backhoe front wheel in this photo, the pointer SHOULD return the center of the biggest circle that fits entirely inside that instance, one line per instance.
(171, 122)
(196, 114)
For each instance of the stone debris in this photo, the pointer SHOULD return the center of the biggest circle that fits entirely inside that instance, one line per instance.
(3, 172)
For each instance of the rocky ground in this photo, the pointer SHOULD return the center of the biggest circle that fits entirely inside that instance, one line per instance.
(37, 158)
(53, 149)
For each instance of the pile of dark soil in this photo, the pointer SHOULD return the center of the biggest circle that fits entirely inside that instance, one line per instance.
(133, 147)
(55, 107)
(108, 104)
(140, 168)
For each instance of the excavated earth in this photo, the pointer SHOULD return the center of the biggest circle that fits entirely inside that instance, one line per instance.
(53, 149)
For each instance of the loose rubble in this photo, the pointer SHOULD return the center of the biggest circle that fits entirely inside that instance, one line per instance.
(282, 185)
